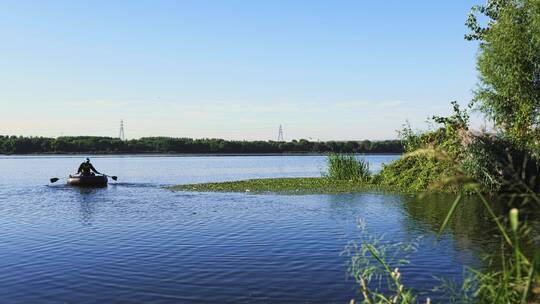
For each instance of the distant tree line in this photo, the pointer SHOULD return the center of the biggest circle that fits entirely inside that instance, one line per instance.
(95, 144)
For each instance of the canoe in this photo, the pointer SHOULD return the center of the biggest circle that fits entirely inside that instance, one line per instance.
(87, 180)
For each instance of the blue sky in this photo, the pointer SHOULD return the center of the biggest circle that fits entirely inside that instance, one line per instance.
(231, 69)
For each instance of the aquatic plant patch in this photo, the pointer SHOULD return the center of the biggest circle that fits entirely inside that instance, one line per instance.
(308, 185)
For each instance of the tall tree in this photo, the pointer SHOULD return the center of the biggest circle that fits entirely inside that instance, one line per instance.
(509, 65)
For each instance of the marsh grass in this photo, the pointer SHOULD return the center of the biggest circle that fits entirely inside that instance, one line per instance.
(375, 266)
(517, 281)
(347, 167)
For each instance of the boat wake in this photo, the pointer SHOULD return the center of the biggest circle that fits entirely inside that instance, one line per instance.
(136, 185)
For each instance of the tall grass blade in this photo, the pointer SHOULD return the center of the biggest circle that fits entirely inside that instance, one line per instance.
(514, 224)
(494, 217)
(530, 277)
(450, 213)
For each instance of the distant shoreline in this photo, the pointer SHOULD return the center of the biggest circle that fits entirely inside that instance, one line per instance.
(154, 154)
(81, 145)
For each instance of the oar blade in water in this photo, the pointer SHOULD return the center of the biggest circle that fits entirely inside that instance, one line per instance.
(54, 179)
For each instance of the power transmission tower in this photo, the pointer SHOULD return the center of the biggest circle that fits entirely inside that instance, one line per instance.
(280, 134)
(121, 135)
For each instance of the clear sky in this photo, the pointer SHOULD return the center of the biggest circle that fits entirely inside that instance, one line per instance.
(231, 69)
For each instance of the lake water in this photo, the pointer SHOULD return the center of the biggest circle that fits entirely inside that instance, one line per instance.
(134, 242)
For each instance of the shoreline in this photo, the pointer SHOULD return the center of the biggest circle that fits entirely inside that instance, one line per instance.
(98, 154)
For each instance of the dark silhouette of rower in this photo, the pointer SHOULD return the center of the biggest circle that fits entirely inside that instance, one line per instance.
(86, 168)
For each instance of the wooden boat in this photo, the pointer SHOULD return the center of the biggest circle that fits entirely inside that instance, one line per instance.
(87, 180)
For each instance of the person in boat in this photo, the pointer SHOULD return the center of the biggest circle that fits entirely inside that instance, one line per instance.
(86, 168)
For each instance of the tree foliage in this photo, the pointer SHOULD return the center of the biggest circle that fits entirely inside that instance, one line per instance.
(509, 65)
(94, 144)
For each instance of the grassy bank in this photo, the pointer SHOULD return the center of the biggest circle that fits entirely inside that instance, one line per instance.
(305, 185)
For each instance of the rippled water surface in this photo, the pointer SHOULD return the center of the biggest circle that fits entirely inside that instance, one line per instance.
(136, 242)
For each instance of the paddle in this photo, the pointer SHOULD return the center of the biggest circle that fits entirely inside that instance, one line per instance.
(55, 179)
(115, 178)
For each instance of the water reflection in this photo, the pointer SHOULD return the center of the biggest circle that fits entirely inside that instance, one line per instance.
(87, 201)
(471, 227)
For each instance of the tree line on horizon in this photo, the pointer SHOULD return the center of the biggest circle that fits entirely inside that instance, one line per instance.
(98, 144)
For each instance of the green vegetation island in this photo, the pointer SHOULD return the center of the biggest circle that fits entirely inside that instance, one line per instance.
(159, 145)
(306, 185)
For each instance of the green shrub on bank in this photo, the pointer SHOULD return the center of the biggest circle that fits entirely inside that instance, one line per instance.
(415, 174)
(497, 163)
(347, 167)
(432, 157)
(500, 165)
(448, 158)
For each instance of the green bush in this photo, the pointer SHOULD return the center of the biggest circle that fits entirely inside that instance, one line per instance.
(347, 167)
(432, 157)
(415, 173)
(500, 165)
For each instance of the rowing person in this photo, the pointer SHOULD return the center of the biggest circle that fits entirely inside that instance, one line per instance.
(86, 168)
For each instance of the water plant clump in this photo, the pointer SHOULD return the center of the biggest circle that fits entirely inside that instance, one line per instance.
(347, 167)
